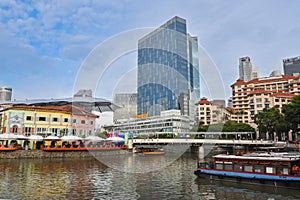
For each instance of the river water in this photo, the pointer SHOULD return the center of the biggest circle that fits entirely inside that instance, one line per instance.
(91, 179)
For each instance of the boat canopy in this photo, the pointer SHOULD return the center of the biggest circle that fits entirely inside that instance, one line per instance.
(262, 156)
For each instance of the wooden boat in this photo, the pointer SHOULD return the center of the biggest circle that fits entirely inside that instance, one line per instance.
(9, 148)
(158, 152)
(273, 169)
(149, 151)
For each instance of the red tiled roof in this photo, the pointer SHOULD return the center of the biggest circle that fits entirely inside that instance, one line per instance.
(203, 101)
(265, 80)
(238, 82)
(281, 94)
(66, 109)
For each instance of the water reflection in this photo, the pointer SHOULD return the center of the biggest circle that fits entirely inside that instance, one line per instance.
(209, 189)
(90, 179)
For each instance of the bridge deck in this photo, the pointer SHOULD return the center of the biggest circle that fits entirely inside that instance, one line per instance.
(201, 141)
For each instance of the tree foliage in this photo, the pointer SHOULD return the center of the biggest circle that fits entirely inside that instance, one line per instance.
(228, 126)
(291, 112)
(270, 120)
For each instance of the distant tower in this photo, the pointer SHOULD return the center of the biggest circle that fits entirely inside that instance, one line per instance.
(84, 94)
(245, 69)
(255, 72)
(5, 93)
(291, 66)
(276, 73)
(128, 104)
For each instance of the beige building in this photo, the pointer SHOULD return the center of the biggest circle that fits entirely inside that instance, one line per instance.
(209, 113)
(250, 98)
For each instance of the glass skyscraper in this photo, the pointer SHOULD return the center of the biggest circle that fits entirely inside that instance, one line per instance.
(168, 70)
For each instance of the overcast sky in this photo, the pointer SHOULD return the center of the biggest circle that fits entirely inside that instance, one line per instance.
(44, 43)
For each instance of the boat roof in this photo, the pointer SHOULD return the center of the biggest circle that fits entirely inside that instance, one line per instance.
(281, 156)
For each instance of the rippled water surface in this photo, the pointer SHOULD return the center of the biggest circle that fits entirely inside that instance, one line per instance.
(90, 179)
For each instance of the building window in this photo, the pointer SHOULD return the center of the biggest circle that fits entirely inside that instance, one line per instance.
(15, 129)
(55, 119)
(29, 118)
(93, 123)
(42, 119)
(74, 121)
(259, 105)
(258, 100)
(82, 121)
(66, 119)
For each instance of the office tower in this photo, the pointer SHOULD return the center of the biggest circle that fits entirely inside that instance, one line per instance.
(128, 106)
(168, 70)
(84, 94)
(245, 69)
(5, 93)
(255, 72)
(291, 66)
(229, 103)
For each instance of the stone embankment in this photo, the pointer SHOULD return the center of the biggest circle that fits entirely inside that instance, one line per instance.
(38, 154)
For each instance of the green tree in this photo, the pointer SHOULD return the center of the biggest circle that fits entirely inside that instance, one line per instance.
(291, 112)
(233, 126)
(270, 120)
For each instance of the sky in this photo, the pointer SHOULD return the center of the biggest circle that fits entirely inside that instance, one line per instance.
(44, 44)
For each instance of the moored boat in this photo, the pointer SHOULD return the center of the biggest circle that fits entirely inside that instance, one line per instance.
(149, 151)
(274, 169)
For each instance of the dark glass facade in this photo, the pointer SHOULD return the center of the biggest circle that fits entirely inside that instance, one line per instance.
(168, 67)
(291, 66)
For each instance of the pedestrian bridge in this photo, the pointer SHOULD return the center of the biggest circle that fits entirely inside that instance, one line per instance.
(201, 141)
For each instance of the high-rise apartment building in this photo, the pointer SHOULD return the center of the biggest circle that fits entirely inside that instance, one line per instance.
(5, 93)
(250, 98)
(209, 112)
(168, 70)
(291, 66)
(128, 106)
(245, 69)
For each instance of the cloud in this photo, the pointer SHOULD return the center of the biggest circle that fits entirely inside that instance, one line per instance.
(47, 40)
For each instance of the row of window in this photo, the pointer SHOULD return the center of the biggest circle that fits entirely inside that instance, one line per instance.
(56, 119)
(253, 168)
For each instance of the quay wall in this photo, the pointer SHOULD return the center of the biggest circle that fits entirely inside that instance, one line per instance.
(39, 154)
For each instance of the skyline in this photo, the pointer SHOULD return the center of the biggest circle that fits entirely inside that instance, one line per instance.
(45, 43)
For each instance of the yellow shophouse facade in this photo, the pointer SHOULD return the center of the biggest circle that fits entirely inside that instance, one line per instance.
(47, 120)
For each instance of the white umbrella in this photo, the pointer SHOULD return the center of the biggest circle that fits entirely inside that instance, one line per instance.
(35, 138)
(70, 138)
(8, 136)
(52, 137)
(21, 137)
(94, 138)
(115, 139)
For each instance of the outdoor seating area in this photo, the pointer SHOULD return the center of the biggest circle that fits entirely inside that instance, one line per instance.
(13, 142)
